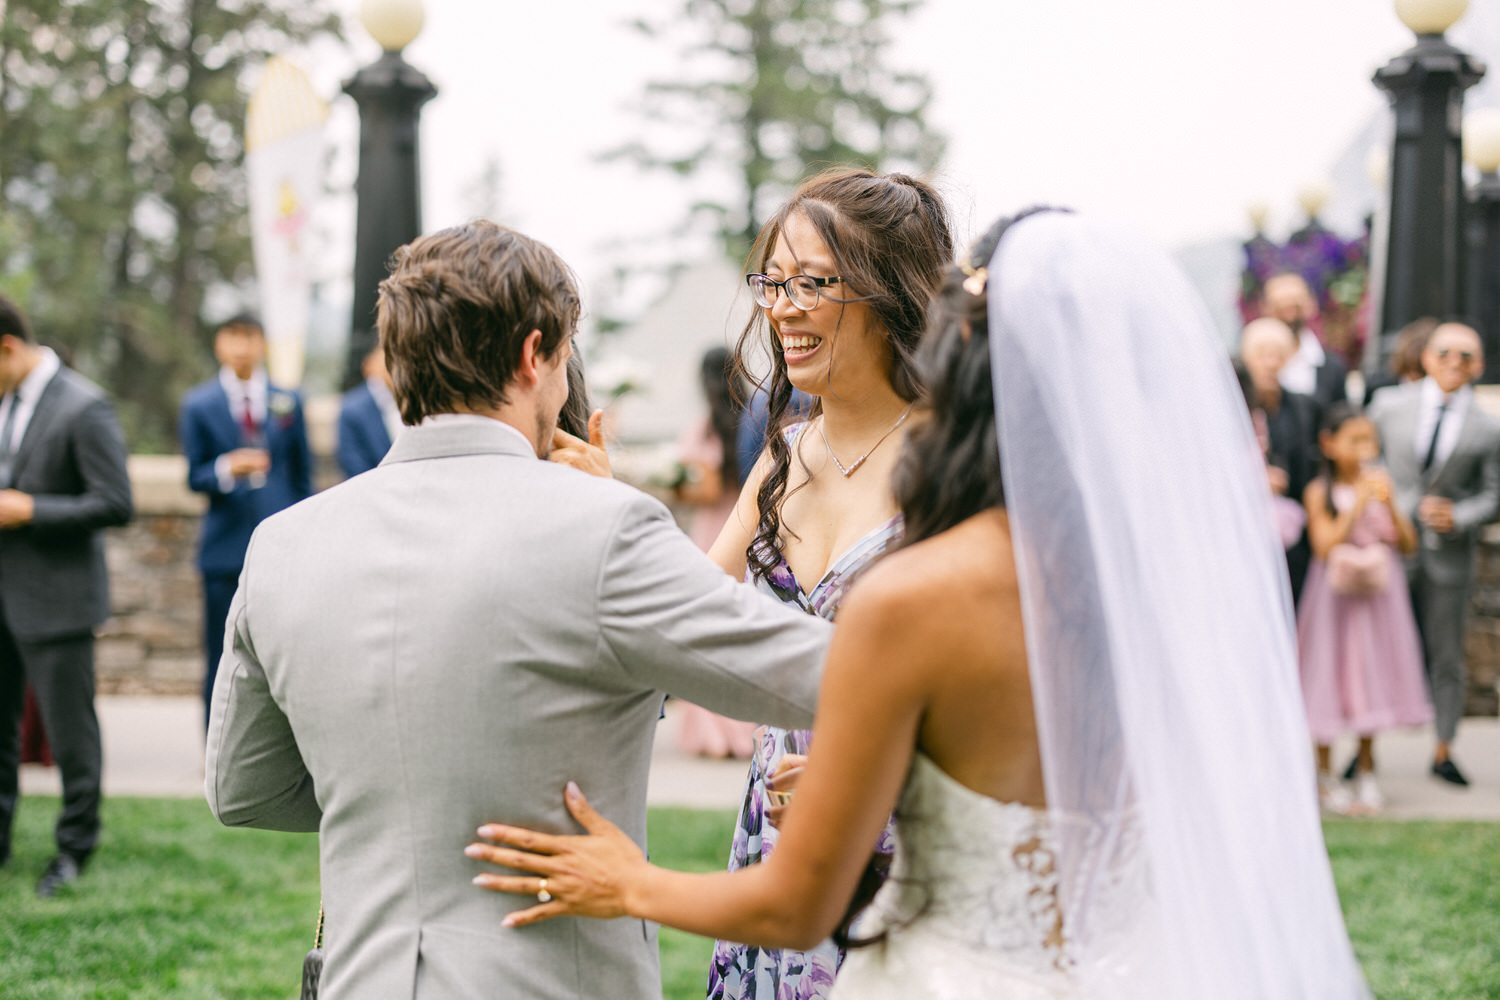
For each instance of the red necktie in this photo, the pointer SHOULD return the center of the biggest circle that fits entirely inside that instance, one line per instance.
(247, 419)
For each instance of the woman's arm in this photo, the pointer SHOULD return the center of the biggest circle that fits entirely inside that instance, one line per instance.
(875, 689)
(728, 550)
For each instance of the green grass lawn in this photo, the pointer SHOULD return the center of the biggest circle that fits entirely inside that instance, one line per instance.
(177, 906)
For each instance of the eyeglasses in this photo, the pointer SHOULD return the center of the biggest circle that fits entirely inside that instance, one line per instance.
(802, 290)
(1445, 352)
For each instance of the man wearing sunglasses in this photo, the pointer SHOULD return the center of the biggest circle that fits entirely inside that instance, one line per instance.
(1443, 453)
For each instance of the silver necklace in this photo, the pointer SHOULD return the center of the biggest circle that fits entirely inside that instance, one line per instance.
(854, 467)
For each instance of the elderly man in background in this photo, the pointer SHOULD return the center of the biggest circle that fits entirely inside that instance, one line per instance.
(1311, 370)
(1443, 453)
(62, 481)
(1266, 345)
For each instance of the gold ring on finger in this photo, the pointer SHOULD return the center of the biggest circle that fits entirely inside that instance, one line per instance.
(542, 895)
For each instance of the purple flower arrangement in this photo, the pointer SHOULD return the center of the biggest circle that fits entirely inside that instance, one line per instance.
(1337, 271)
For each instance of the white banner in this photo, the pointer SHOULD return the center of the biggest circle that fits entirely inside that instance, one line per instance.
(284, 161)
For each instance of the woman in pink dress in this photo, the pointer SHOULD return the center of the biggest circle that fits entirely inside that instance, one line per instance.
(710, 485)
(1357, 641)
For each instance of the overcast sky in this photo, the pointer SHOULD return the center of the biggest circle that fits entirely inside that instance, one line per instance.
(1173, 113)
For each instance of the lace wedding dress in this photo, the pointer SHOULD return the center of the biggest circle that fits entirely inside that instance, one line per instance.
(971, 908)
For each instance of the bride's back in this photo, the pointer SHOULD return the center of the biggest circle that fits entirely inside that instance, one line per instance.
(957, 590)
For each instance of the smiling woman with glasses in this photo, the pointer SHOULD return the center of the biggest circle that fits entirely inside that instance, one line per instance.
(843, 275)
(803, 290)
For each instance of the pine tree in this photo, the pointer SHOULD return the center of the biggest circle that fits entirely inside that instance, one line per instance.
(773, 90)
(122, 180)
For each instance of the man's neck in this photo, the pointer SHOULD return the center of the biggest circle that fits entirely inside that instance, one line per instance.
(29, 357)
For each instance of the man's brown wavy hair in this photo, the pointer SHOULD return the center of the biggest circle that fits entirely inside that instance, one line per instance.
(457, 308)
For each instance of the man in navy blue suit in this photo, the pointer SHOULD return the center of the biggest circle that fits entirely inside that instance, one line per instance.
(368, 418)
(246, 446)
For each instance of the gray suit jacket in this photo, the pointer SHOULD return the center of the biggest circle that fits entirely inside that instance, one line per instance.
(53, 580)
(448, 639)
(1470, 477)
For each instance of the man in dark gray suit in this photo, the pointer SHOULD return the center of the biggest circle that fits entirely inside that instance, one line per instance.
(1443, 453)
(62, 480)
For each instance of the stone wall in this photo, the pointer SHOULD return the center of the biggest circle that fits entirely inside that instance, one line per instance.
(153, 643)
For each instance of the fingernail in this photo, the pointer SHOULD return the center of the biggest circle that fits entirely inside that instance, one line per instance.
(508, 922)
(479, 880)
(474, 851)
(487, 832)
(573, 790)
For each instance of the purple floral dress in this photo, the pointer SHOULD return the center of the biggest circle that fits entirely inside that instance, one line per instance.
(742, 972)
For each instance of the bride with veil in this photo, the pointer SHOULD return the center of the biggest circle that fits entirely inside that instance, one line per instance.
(1075, 684)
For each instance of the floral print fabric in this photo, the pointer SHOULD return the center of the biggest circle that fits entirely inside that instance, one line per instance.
(742, 972)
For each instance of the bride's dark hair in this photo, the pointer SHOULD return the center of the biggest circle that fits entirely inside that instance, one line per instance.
(889, 237)
(950, 466)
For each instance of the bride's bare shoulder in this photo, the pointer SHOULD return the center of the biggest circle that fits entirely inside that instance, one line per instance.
(942, 575)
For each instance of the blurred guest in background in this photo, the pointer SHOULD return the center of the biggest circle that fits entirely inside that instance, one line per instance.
(710, 486)
(246, 446)
(1287, 515)
(368, 418)
(1405, 364)
(63, 479)
(750, 439)
(1291, 424)
(1443, 453)
(1311, 370)
(1357, 643)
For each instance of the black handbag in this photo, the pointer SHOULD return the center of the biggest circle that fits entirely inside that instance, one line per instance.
(312, 965)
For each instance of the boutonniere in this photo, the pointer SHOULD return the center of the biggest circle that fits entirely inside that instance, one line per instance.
(282, 406)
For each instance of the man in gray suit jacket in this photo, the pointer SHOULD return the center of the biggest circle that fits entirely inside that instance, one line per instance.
(455, 634)
(1443, 453)
(62, 480)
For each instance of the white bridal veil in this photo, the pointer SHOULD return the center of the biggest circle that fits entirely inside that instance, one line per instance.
(1158, 621)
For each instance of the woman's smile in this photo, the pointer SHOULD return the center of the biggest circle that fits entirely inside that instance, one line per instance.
(797, 347)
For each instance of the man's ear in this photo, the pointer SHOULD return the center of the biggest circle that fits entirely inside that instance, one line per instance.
(529, 368)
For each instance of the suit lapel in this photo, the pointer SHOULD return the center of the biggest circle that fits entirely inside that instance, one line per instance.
(1401, 450)
(223, 415)
(41, 418)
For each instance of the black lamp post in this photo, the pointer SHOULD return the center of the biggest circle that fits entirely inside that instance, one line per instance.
(1424, 273)
(390, 93)
(1482, 149)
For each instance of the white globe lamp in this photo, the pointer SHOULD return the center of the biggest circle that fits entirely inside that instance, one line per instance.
(1378, 167)
(1482, 139)
(1313, 197)
(392, 23)
(1260, 214)
(1430, 17)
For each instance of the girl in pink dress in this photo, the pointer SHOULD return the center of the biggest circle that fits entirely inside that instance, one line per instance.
(1357, 639)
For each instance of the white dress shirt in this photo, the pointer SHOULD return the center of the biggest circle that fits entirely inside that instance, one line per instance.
(1301, 371)
(1453, 421)
(256, 389)
(24, 396)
